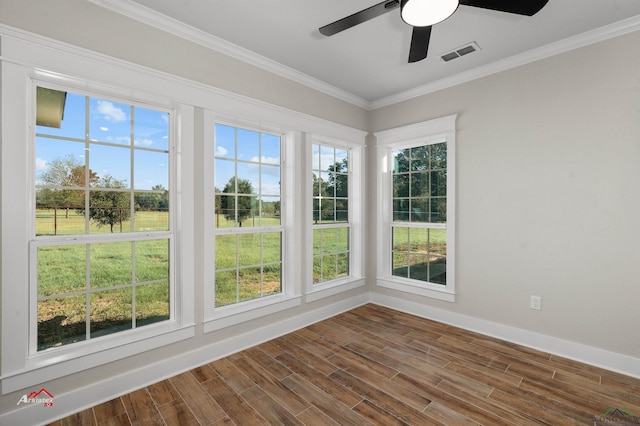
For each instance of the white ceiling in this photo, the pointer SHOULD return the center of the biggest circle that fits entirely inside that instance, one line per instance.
(367, 64)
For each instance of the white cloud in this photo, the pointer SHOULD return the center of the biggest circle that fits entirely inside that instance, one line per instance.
(104, 129)
(221, 151)
(110, 112)
(41, 164)
(266, 160)
(143, 142)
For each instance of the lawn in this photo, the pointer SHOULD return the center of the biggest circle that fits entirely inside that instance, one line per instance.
(88, 290)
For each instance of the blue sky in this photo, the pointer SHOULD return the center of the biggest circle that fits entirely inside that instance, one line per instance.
(110, 122)
(252, 155)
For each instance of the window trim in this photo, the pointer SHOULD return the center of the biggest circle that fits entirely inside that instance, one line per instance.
(424, 133)
(21, 367)
(219, 317)
(355, 225)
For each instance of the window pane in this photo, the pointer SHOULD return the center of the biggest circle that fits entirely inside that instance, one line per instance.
(249, 249)
(439, 183)
(110, 264)
(270, 180)
(151, 128)
(152, 260)
(61, 269)
(225, 141)
(112, 165)
(225, 288)
(419, 210)
(418, 267)
(342, 241)
(272, 279)
(111, 312)
(249, 282)
(439, 156)
(400, 209)
(438, 256)
(61, 321)
(270, 211)
(343, 265)
(248, 145)
(400, 266)
(329, 267)
(109, 121)
(271, 247)
(401, 161)
(70, 123)
(270, 149)
(226, 251)
(59, 212)
(420, 185)
(226, 211)
(438, 210)
(151, 211)
(317, 269)
(152, 303)
(59, 163)
(420, 158)
(109, 211)
(151, 170)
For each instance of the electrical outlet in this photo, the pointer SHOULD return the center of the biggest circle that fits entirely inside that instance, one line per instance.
(536, 303)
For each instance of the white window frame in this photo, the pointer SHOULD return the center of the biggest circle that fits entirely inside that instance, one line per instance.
(290, 295)
(355, 224)
(424, 133)
(33, 64)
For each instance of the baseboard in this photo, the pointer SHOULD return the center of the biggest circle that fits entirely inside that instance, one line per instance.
(608, 360)
(99, 392)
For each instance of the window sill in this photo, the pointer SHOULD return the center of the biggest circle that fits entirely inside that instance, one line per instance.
(329, 288)
(228, 316)
(421, 289)
(54, 363)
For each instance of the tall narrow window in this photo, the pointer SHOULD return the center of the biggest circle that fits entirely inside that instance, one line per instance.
(248, 227)
(416, 218)
(419, 234)
(331, 248)
(103, 237)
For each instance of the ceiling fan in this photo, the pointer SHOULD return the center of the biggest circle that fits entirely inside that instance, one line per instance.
(422, 14)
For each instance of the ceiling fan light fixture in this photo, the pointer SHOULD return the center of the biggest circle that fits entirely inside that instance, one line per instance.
(423, 13)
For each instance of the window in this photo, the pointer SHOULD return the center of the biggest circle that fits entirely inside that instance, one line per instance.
(103, 240)
(416, 218)
(248, 226)
(331, 253)
(419, 248)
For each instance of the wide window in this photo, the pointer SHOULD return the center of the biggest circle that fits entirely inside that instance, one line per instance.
(416, 218)
(331, 249)
(247, 215)
(102, 242)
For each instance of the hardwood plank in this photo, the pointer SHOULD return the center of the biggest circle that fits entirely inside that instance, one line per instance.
(163, 392)
(119, 420)
(141, 408)
(109, 409)
(236, 408)
(234, 377)
(382, 399)
(203, 407)
(177, 413)
(320, 380)
(294, 403)
(332, 408)
(376, 415)
(314, 417)
(273, 412)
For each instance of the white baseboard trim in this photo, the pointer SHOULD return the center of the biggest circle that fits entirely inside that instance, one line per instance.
(612, 361)
(99, 392)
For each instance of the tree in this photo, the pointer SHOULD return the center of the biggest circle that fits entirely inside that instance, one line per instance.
(108, 207)
(244, 206)
(63, 174)
(157, 200)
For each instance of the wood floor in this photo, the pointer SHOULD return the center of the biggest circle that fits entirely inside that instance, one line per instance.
(373, 365)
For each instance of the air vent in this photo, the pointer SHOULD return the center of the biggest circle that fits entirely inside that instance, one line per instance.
(460, 51)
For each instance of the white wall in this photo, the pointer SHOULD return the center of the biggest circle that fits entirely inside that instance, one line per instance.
(548, 194)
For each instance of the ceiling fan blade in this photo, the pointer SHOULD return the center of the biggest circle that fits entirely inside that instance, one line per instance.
(419, 43)
(359, 17)
(522, 7)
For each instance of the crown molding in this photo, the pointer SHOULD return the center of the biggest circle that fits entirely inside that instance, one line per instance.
(172, 26)
(150, 17)
(584, 39)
